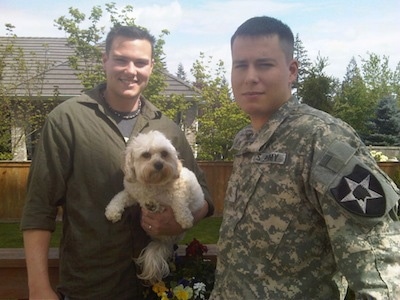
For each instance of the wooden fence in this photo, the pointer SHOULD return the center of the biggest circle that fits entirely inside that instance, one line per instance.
(13, 177)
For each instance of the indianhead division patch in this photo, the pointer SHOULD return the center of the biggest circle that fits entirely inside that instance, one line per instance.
(361, 193)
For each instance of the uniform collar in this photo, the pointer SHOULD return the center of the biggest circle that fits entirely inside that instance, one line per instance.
(249, 141)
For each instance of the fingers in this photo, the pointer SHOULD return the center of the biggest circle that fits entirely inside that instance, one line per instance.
(146, 225)
(160, 223)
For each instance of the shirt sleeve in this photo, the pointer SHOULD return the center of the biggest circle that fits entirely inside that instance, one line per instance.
(359, 204)
(47, 179)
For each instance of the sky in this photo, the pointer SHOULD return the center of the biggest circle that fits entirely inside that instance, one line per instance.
(336, 29)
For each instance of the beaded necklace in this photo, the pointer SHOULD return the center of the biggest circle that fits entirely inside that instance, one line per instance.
(124, 115)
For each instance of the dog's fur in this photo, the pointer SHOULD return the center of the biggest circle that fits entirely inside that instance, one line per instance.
(155, 178)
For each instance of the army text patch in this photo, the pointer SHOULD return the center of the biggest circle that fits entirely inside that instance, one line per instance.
(273, 157)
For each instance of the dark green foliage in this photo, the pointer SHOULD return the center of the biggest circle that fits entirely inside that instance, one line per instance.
(385, 126)
(316, 88)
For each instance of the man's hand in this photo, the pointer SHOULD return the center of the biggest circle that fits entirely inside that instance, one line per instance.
(160, 223)
(164, 223)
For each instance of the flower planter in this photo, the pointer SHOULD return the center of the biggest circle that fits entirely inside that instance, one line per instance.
(392, 168)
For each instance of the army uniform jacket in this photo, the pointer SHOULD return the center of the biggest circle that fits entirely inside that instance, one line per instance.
(307, 212)
(77, 165)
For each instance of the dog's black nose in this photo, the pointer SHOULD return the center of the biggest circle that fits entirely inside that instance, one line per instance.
(158, 165)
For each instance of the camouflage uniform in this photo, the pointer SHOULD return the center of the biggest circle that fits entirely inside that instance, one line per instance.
(307, 212)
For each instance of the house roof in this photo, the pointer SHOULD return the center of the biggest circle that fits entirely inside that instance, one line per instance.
(53, 53)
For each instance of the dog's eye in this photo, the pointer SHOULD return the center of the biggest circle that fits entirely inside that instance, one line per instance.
(164, 154)
(146, 155)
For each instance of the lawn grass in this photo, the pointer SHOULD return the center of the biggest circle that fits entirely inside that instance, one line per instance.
(206, 231)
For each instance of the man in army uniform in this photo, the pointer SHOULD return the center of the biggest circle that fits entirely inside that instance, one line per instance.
(308, 213)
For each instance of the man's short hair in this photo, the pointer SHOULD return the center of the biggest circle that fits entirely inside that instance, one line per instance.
(133, 32)
(267, 26)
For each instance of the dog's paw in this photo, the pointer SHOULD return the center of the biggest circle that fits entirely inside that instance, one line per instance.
(113, 213)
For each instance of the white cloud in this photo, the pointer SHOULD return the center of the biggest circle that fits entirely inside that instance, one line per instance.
(157, 17)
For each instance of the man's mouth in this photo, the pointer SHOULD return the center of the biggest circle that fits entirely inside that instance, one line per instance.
(128, 80)
(252, 93)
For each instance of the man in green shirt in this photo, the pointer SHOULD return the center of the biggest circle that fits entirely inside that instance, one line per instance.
(77, 165)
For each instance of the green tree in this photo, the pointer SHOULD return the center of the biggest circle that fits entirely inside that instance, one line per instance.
(21, 83)
(385, 126)
(351, 102)
(219, 118)
(378, 77)
(317, 88)
(86, 42)
(181, 74)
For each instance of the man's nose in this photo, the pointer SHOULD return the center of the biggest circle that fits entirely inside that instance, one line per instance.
(251, 75)
(131, 68)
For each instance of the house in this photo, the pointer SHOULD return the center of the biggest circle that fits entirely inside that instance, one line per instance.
(48, 71)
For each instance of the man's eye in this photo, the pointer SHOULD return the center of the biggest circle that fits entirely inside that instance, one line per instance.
(265, 65)
(141, 64)
(120, 60)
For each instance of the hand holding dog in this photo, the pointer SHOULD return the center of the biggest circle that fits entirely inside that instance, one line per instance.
(160, 223)
(164, 223)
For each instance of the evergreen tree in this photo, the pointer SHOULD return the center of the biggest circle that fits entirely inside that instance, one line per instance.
(305, 65)
(181, 74)
(386, 124)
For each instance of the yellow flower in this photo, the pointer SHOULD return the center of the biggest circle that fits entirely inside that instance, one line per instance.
(164, 296)
(182, 293)
(160, 289)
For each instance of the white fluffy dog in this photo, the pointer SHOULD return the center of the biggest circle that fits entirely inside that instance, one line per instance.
(155, 178)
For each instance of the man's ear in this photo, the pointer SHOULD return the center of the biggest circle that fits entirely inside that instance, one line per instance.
(293, 70)
(104, 58)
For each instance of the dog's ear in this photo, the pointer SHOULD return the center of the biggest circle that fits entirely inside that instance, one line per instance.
(178, 169)
(127, 165)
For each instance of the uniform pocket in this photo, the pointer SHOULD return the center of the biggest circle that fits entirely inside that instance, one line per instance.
(266, 211)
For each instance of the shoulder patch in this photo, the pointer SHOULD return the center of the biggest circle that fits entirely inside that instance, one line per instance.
(361, 193)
